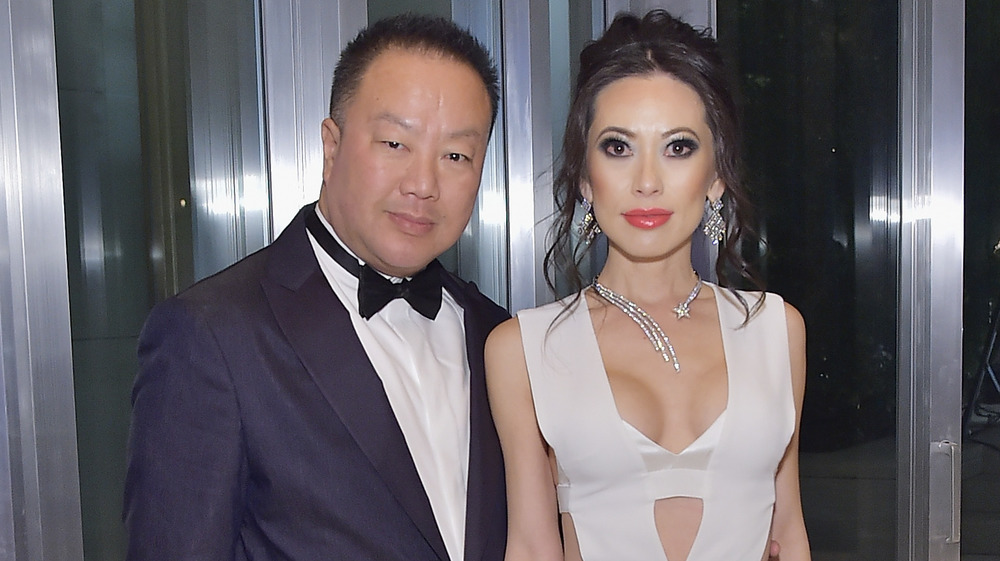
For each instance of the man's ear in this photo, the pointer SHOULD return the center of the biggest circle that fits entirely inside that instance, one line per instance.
(331, 139)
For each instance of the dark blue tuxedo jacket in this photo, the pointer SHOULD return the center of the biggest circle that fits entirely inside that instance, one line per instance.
(260, 430)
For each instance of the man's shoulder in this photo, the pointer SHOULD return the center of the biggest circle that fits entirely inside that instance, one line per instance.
(288, 259)
(473, 300)
(233, 295)
(241, 280)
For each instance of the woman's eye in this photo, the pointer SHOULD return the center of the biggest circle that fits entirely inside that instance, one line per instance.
(681, 148)
(456, 157)
(614, 147)
(393, 144)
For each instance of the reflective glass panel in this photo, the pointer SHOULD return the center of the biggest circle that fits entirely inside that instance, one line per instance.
(161, 138)
(981, 421)
(110, 284)
(818, 86)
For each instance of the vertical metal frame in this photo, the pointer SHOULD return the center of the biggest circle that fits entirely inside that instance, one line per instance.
(529, 158)
(39, 480)
(932, 113)
(599, 17)
(482, 249)
(301, 42)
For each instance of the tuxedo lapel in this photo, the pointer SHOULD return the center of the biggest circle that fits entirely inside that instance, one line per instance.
(318, 327)
(485, 478)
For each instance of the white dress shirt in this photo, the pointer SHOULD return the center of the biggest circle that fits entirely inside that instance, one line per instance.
(425, 372)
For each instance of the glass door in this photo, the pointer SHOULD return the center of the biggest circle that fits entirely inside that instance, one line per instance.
(853, 141)
(981, 349)
(818, 84)
(162, 154)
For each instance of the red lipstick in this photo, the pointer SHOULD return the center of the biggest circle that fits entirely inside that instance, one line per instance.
(647, 218)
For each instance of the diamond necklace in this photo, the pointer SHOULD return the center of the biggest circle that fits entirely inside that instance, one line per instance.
(653, 331)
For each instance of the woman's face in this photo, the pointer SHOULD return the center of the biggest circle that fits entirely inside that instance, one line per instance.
(650, 165)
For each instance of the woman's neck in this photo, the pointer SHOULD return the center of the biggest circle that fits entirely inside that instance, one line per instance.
(649, 282)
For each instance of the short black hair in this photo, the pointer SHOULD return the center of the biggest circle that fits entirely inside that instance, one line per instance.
(415, 33)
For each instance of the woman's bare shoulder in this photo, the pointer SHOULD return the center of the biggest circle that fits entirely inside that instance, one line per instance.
(796, 324)
(505, 336)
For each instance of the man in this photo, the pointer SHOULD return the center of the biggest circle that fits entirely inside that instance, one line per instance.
(292, 406)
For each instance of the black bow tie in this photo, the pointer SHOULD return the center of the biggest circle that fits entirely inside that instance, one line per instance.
(422, 291)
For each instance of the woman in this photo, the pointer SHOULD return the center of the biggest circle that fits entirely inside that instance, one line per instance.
(656, 413)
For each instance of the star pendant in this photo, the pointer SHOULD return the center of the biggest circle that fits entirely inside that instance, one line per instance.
(682, 310)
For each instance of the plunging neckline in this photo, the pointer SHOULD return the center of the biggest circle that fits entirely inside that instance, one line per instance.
(610, 482)
(585, 309)
(716, 426)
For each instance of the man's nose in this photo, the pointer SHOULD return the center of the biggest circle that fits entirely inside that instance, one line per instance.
(421, 179)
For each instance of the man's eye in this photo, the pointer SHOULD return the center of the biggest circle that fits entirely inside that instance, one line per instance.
(393, 144)
(456, 157)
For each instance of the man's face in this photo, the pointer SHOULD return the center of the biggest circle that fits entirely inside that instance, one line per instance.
(402, 170)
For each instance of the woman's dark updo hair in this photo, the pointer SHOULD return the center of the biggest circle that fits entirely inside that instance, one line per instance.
(631, 46)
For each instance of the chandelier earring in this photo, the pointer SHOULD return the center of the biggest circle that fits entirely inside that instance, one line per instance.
(588, 227)
(715, 224)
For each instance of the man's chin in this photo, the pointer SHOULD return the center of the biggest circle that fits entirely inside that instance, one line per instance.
(405, 263)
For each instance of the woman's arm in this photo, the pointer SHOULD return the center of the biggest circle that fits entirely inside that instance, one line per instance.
(788, 527)
(532, 514)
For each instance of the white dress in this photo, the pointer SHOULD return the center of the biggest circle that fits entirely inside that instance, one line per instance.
(610, 474)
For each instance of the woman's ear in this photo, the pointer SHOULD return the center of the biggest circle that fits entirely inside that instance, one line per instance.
(585, 190)
(716, 190)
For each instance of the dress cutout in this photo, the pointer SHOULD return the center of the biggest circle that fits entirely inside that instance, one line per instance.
(610, 474)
